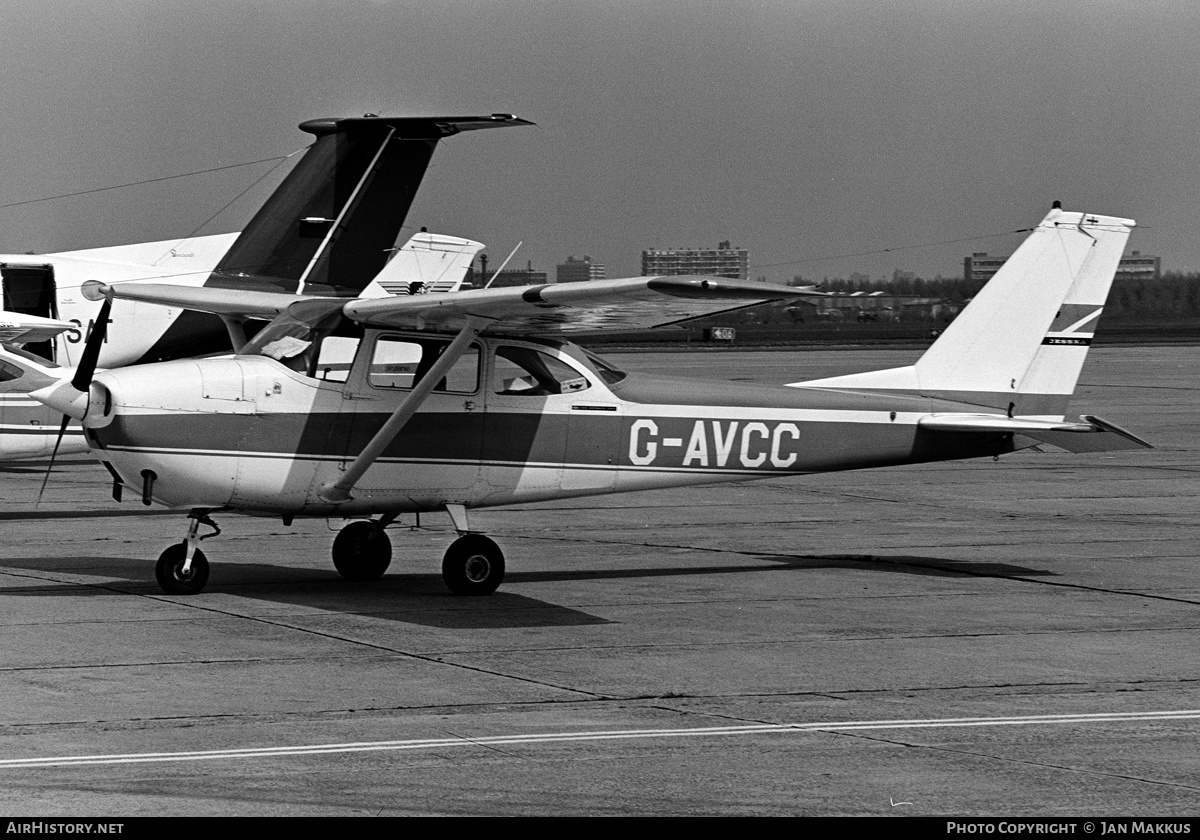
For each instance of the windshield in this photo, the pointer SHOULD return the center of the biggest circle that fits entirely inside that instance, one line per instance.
(609, 372)
(296, 336)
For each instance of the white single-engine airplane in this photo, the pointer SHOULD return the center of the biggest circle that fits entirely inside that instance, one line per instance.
(329, 229)
(462, 401)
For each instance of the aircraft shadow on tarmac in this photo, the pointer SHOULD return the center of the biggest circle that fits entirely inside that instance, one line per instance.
(423, 599)
(408, 598)
(911, 565)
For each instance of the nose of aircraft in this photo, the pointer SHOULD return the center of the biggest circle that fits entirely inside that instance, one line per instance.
(92, 407)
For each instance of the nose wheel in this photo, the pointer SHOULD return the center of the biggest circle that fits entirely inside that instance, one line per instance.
(473, 565)
(183, 569)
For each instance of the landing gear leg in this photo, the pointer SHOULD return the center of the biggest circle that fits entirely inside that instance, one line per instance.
(183, 568)
(362, 551)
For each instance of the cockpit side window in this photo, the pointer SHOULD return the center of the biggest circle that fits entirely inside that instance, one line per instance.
(523, 371)
(402, 361)
(335, 356)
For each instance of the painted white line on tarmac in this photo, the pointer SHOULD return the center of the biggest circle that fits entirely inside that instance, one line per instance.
(600, 735)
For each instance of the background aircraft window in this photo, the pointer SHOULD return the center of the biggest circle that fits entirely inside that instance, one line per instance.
(400, 362)
(526, 372)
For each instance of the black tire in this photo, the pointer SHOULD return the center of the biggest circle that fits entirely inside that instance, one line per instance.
(169, 571)
(473, 565)
(358, 556)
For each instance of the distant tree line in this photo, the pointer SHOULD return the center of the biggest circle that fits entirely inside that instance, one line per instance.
(1174, 296)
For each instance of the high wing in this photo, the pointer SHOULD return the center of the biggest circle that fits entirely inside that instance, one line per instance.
(597, 306)
(577, 308)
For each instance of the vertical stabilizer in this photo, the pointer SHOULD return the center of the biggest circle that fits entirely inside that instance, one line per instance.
(1020, 344)
(1021, 333)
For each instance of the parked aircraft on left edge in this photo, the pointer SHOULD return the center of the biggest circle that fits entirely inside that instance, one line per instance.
(328, 229)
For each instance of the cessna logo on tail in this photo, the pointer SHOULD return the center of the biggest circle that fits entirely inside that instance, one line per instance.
(717, 443)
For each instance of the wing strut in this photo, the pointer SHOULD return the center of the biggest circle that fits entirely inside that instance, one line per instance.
(336, 492)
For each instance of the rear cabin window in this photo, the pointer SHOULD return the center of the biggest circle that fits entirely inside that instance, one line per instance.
(401, 362)
(523, 371)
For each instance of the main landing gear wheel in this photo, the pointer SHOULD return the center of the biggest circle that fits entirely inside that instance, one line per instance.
(171, 576)
(473, 565)
(359, 556)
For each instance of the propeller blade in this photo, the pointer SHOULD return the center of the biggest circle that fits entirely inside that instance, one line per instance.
(91, 351)
(62, 430)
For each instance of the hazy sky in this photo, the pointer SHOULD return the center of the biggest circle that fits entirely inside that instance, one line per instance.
(799, 130)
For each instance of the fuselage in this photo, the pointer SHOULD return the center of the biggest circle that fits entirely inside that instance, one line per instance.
(515, 421)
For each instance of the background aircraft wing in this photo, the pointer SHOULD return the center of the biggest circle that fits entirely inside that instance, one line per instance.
(576, 308)
(19, 328)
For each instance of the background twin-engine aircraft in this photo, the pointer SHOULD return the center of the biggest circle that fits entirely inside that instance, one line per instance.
(329, 229)
(354, 406)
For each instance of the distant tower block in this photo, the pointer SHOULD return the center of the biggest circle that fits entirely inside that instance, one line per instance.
(722, 261)
(578, 270)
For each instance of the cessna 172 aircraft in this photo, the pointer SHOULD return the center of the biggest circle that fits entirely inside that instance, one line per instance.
(462, 401)
(328, 229)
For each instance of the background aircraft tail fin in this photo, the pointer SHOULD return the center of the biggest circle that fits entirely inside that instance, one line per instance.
(330, 226)
(427, 263)
(1020, 344)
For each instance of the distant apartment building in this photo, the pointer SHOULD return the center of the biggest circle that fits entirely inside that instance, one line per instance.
(1134, 266)
(577, 270)
(1138, 266)
(722, 261)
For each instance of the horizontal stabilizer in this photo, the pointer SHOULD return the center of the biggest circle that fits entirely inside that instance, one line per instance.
(1091, 435)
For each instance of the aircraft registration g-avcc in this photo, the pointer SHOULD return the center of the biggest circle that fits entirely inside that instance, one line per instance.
(400, 404)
